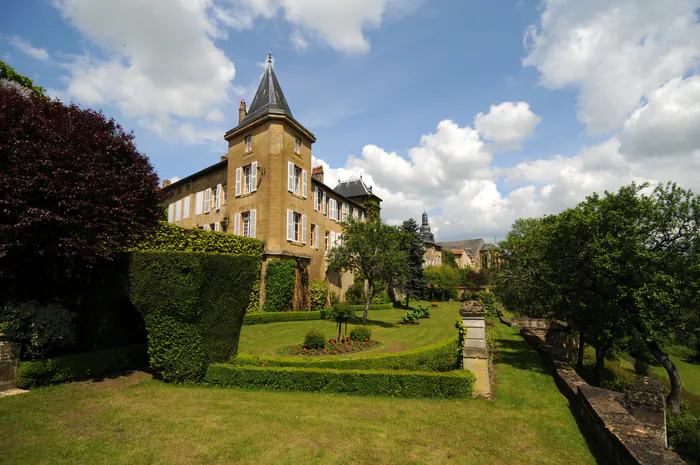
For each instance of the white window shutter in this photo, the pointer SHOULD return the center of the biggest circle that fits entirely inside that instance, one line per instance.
(198, 202)
(217, 226)
(332, 240)
(237, 224)
(290, 176)
(253, 222)
(171, 212)
(206, 227)
(318, 232)
(207, 201)
(178, 210)
(186, 207)
(217, 197)
(239, 174)
(290, 225)
(303, 229)
(303, 183)
(325, 201)
(254, 177)
(315, 198)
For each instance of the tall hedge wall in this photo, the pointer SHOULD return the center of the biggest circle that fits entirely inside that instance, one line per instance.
(193, 305)
(280, 279)
(171, 238)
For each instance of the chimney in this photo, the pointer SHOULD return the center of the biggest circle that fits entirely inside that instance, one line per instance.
(242, 112)
(317, 173)
(166, 182)
(224, 157)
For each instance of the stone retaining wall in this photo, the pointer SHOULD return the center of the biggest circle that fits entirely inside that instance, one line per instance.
(617, 436)
(9, 362)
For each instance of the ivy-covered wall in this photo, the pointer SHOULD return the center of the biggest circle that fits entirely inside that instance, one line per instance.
(193, 305)
(280, 282)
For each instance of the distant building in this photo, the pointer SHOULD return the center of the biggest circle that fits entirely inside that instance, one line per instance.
(478, 254)
(262, 188)
(433, 251)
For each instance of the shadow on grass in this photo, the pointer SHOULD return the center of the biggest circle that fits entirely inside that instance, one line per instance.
(519, 355)
(381, 324)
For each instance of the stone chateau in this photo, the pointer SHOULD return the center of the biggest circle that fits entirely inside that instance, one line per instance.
(265, 187)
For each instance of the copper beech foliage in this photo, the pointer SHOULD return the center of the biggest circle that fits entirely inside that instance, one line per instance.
(73, 190)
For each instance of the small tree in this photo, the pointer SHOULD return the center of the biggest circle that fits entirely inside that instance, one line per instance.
(448, 258)
(373, 250)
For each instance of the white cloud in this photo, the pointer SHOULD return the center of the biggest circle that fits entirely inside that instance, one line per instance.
(507, 125)
(338, 23)
(668, 124)
(615, 52)
(24, 46)
(299, 42)
(161, 68)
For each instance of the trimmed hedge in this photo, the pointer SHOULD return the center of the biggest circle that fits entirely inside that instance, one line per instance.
(170, 238)
(456, 384)
(280, 279)
(276, 317)
(440, 357)
(76, 367)
(193, 305)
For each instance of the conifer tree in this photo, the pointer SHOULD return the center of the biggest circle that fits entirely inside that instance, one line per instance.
(414, 284)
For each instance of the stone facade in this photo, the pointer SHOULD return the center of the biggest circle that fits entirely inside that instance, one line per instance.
(268, 189)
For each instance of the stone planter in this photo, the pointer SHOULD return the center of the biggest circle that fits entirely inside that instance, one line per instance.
(9, 359)
(467, 314)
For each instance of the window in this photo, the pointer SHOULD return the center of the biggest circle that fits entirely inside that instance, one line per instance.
(333, 207)
(247, 179)
(297, 144)
(198, 202)
(346, 211)
(244, 224)
(296, 179)
(223, 199)
(207, 201)
(296, 227)
(248, 143)
(317, 198)
(186, 207)
(171, 212)
(313, 235)
(325, 203)
(179, 190)
(325, 244)
(187, 188)
(356, 214)
(217, 197)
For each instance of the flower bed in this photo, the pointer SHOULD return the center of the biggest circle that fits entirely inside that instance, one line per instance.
(344, 345)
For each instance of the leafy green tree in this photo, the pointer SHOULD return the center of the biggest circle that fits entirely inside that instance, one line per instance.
(443, 281)
(9, 74)
(448, 258)
(414, 286)
(373, 250)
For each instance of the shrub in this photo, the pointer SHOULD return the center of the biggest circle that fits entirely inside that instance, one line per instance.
(488, 300)
(683, 430)
(334, 299)
(40, 328)
(170, 238)
(319, 295)
(276, 317)
(455, 384)
(435, 357)
(76, 367)
(193, 305)
(315, 340)
(421, 312)
(361, 333)
(355, 295)
(461, 341)
(280, 278)
(341, 313)
(408, 317)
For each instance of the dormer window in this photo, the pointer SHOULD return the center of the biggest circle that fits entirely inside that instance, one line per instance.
(297, 144)
(248, 143)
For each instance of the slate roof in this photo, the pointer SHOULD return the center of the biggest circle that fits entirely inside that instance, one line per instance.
(488, 247)
(353, 188)
(470, 245)
(269, 98)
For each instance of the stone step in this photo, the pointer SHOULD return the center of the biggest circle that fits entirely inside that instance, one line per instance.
(474, 323)
(475, 344)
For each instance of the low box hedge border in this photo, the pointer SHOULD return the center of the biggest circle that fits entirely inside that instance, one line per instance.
(76, 367)
(393, 383)
(439, 357)
(260, 318)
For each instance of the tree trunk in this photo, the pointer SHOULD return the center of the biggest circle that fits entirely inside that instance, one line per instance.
(674, 397)
(581, 347)
(407, 297)
(370, 296)
(599, 364)
(340, 326)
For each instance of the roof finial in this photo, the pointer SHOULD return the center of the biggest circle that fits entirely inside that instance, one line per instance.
(269, 60)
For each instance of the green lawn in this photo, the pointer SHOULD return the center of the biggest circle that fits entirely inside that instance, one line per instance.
(690, 372)
(268, 338)
(136, 420)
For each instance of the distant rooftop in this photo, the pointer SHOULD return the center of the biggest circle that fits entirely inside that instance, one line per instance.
(355, 187)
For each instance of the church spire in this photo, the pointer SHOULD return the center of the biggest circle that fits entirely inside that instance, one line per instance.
(269, 97)
(425, 230)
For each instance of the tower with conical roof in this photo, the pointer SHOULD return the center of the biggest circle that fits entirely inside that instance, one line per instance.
(428, 236)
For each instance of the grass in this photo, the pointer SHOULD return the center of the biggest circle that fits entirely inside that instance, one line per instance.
(136, 420)
(269, 338)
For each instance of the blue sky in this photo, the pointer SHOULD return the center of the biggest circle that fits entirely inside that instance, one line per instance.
(484, 111)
